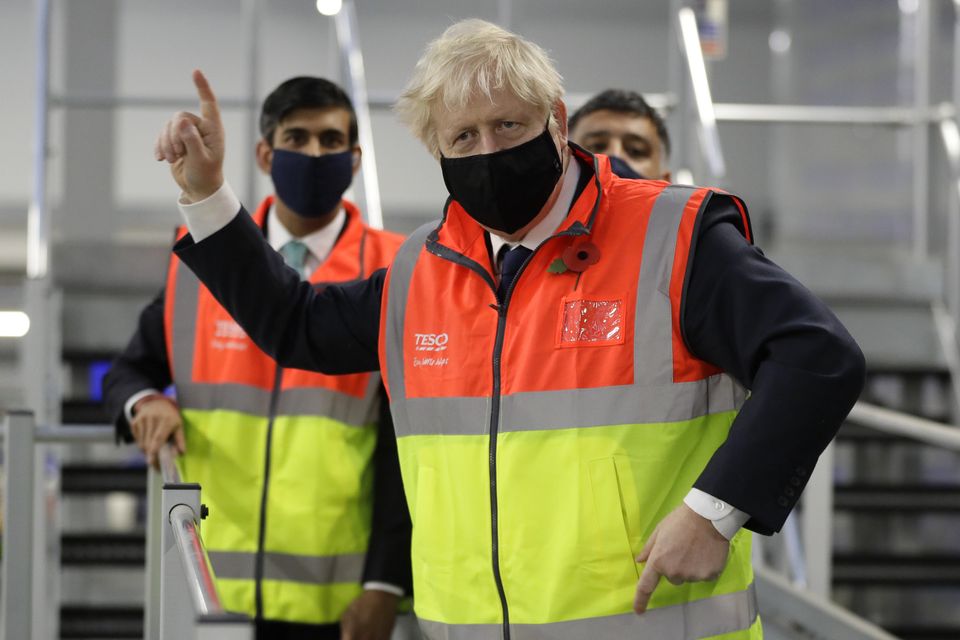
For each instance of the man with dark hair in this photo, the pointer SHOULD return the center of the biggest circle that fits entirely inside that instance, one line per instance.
(619, 123)
(308, 529)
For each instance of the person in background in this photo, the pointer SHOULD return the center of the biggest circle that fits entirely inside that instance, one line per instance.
(308, 530)
(620, 124)
(568, 355)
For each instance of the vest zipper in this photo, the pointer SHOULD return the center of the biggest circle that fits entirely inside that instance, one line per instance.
(261, 537)
(494, 429)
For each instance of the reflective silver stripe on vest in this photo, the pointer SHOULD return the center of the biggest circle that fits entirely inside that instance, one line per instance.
(401, 273)
(246, 399)
(714, 616)
(240, 565)
(184, 329)
(571, 408)
(652, 398)
(299, 401)
(653, 326)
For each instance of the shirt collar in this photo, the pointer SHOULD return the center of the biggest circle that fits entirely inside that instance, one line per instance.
(319, 242)
(552, 221)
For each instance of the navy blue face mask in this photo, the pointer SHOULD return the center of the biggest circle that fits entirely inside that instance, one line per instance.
(312, 186)
(624, 170)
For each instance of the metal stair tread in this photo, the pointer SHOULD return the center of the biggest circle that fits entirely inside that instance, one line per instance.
(84, 478)
(98, 621)
(103, 549)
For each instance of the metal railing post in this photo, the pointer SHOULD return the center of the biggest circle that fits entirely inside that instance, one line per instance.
(154, 552)
(351, 59)
(16, 611)
(817, 526)
(921, 130)
(176, 607)
(189, 604)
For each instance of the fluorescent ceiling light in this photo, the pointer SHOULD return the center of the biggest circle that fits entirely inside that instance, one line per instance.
(329, 7)
(14, 324)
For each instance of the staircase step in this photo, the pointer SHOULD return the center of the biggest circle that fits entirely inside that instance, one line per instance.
(90, 621)
(925, 632)
(929, 498)
(103, 549)
(83, 412)
(874, 569)
(103, 478)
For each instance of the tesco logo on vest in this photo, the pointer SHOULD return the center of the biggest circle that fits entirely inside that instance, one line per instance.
(430, 341)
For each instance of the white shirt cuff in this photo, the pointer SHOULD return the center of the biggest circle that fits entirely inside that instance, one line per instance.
(725, 518)
(211, 214)
(133, 400)
(383, 586)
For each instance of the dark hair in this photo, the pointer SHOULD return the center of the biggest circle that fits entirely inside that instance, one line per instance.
(623, 101)
(303, 92)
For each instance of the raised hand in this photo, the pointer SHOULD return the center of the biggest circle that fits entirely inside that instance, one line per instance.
(193, 145)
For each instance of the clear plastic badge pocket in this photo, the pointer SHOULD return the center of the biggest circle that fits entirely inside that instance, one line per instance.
(591, 322)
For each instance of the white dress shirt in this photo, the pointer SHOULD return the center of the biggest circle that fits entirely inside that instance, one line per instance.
(319, 243)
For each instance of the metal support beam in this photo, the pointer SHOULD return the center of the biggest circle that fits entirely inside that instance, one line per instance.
(697, 72)
(811, 114)
(16, 610)
(38, 218)
(366, 183)
(921, 132)
(250, 20)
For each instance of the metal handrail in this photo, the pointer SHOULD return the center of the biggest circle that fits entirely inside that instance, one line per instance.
(903, 424)
(809, 614)
(168, 465)
(68, 433)
(816, 114)
(196, 564)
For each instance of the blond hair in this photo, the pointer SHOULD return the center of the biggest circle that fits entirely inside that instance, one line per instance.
(475, 56)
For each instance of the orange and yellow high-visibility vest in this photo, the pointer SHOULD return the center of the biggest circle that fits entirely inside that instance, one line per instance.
(543, 436)
(284, 456)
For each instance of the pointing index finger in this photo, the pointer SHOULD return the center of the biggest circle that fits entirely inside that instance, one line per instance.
(645, 587)
(209, 109)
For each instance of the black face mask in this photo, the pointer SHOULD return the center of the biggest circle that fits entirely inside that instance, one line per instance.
(311, 185)
(505, 190)
(624, 170)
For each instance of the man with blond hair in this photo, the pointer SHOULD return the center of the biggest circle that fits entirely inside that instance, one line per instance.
(566, 355)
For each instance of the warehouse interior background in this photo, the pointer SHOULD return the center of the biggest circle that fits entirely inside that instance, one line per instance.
(836, 123)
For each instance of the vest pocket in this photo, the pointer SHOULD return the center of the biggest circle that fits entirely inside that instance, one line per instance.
(591, 322)
(616, 552)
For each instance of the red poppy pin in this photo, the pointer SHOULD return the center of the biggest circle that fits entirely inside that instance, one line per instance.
(577, 257)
